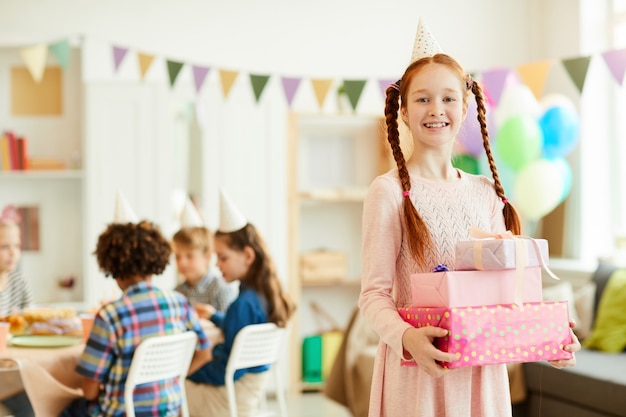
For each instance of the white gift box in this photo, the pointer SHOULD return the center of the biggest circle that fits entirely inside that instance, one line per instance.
(491, 254)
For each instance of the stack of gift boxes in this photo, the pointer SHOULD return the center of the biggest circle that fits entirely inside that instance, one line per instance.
(491, 304)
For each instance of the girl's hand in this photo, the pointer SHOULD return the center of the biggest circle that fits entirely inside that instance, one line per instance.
(418, 345)
(573, 347)
(205, 311)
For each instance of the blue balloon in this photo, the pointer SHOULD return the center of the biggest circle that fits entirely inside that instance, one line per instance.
(561, 130)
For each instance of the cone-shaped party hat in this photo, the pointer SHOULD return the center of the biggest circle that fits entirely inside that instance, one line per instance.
(231, 218)
(425, 44)
(124, 213)
(190, 216)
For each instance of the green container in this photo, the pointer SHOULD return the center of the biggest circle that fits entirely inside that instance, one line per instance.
(312, 359)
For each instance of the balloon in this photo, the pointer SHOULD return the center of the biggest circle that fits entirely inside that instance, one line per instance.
(466, 163)
(517, 100)
(505, 173)
(566, 174)
(538, 189)
(519, 141)
(561, 130)
(470, 136)
(556, 100)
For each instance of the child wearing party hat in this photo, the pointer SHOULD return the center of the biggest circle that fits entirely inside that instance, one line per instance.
(203, 283)
(413, 216)
(241, 256)
(131, 253)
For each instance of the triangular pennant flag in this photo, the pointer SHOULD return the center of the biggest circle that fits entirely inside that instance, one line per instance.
(118, 56)
(383, 84)
(321, 88)
(494, 82)
(228, 79)
(61, 51)
(290, 86)
(35, 59)
(199, 75)
(173, 69)
(354, 88)
(616, 61)
(534, 75)
(258, 84)
(145, 60)
(577, 70)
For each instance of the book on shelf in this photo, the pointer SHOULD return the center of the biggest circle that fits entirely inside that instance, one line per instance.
(13, 152)
(45, 164)
(5, 155)
(22, 153)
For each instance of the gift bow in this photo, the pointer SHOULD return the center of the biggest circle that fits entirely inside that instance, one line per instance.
(521, 256)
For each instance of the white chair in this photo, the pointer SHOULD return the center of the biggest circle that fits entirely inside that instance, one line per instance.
(160, 358)
(256, 345)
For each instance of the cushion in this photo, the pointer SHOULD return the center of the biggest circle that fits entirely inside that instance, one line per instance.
(600, 277)
(563, 291)
(584, 298)
(609, 330)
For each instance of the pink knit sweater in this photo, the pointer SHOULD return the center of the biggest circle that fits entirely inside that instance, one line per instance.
(449, 209)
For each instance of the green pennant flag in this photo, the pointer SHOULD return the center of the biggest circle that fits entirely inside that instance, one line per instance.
(577, 70)
(61, 51)
(353, 89)
(258, 84)
(173, 69)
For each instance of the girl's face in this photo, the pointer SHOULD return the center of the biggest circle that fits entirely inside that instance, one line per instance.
(192, 263)
(434, 108)
(10, 244)
(234, 264)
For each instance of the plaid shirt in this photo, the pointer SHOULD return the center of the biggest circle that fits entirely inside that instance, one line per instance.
(212, 289)
(141, 312)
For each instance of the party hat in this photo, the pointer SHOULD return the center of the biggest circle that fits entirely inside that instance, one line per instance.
(231, 218)
(425, 44)
(190, 216)
(123, 211)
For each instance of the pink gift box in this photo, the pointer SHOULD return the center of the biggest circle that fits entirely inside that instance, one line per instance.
(472, 288)
(492, 254)
(494, 334)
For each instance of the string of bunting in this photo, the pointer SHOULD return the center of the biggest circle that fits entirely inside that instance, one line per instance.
(533, 74)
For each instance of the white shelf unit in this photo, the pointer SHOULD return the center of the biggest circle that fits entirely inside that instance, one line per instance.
(332, 161)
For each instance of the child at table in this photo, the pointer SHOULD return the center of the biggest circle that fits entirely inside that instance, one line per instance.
(203, 284)
(241, 256)
(15, 291)
(131, 253)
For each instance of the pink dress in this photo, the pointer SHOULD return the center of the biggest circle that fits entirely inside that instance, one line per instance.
(449, 209)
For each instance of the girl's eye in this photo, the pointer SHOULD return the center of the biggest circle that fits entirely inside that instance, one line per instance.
(449, 99)
(422, 100)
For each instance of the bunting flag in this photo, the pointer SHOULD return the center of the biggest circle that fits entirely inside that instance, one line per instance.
(35, 59)
(173, 69)
(354, 89)
(228, 79)
(383, 84)
(535, 75)
(616, 61)
(321, 88)
(577, 70)
(290, 86)
(145, 61)
(61, 51)
(199, 75)
(118, 56)
(494, 81)
(258, 84)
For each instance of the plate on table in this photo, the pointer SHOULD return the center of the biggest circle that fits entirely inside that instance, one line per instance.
(44, 341)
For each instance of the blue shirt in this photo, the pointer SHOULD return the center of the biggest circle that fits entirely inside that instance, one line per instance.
(248, 308)
(142, 311)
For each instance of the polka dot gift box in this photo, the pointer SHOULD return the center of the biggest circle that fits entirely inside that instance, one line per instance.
(503, 333)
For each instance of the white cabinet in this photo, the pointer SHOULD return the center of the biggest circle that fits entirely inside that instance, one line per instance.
(332, 161)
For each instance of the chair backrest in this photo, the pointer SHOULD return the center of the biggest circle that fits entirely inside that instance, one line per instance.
(160, 358)
(255, 345)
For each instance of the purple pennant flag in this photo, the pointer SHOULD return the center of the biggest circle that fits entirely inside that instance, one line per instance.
(616, 61)
(494, 82)
(383, 84)
(199, 75)
(118, 56)
(290, 86)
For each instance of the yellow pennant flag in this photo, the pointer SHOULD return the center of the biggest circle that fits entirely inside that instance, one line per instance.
(534, 75)
(321, 88)
(145, 60)
(35, 59)
(228, 79)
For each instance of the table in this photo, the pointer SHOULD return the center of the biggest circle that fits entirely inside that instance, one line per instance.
(48, 374)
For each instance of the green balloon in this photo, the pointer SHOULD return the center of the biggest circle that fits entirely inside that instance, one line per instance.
(519, 141)
(466, 163)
